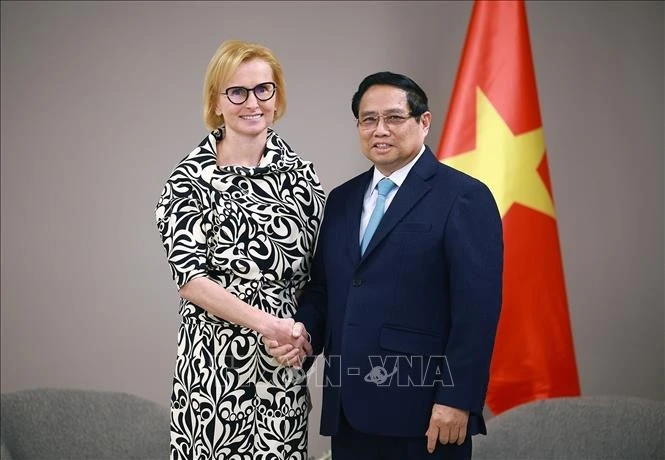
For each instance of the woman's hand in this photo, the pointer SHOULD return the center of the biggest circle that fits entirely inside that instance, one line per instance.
(287, 341)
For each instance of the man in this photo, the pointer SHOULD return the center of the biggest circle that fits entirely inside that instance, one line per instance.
(404, 303)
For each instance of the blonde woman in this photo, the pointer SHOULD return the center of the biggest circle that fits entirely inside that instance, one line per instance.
(238, 218)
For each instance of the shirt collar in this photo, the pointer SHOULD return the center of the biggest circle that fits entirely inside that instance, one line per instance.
(398, 176)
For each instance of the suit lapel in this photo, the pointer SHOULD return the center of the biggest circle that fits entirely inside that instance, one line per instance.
(413, 188)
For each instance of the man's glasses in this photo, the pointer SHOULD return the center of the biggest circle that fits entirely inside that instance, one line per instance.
(372, 121)
(239, 94)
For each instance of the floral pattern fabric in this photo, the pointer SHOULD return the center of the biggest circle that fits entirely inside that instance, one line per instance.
(253, 231)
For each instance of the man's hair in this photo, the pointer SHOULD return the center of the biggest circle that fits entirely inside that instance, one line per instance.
(415, 96)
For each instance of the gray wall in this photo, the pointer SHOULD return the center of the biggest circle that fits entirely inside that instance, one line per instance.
(100, 100)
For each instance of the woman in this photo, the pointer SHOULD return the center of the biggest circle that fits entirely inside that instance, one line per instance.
(239, 217)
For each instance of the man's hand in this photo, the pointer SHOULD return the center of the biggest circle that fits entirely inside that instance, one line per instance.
(447, 425)
(293, 350)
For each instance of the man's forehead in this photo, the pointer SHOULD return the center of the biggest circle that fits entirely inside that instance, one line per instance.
(382, 98)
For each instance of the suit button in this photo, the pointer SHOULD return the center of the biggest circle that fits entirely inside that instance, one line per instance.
(357, 283)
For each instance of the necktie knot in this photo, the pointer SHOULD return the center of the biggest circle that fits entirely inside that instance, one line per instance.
(384, 186)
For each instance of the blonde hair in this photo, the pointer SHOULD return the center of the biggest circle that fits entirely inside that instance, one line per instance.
(224, 63)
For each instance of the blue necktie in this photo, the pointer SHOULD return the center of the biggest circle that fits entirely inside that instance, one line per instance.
(384, 187)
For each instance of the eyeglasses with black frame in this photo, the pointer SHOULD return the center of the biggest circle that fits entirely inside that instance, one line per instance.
(391, 120)
(239, 94)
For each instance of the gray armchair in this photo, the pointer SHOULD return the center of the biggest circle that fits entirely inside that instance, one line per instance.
(590, 427)
(82, 424)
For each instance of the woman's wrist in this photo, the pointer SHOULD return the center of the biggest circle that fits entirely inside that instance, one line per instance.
(266, 324)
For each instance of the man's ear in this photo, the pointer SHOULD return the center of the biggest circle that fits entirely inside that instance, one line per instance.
(426, 121)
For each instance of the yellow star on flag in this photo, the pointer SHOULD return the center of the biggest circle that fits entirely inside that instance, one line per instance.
(506, 163)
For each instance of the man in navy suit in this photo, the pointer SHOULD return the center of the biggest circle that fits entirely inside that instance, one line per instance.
(405, 303)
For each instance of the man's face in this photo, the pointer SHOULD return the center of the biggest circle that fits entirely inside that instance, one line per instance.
(389, 136)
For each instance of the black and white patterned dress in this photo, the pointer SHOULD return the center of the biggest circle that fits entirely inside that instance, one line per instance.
(253, 231)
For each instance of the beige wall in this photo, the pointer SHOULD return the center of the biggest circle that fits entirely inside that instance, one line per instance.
(100, 100)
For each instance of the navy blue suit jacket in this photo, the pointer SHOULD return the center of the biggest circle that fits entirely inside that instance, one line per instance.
(412, 322)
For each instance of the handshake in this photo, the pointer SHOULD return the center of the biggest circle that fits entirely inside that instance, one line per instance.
(288, 342)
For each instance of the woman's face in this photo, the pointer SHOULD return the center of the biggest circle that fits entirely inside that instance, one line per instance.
(253, 116)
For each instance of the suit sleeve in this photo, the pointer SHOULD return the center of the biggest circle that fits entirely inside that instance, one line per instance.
(474, 251)
(313, 303)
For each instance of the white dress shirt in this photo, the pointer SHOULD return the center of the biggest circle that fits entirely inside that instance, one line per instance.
(372, 193)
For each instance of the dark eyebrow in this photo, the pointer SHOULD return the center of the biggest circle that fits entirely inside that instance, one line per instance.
(394, 111)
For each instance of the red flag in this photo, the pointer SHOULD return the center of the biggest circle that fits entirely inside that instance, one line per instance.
(494, 132)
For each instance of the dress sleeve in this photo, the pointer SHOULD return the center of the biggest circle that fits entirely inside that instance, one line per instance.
(180, 224)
